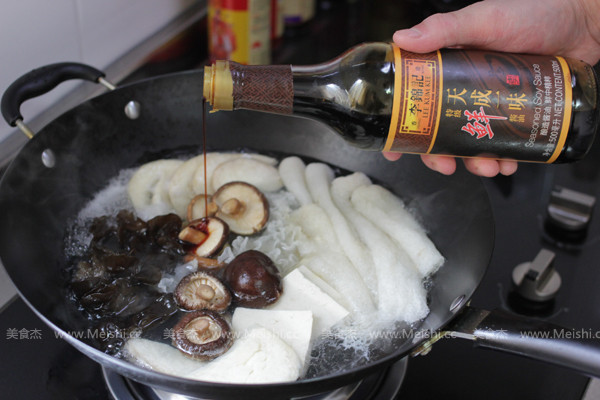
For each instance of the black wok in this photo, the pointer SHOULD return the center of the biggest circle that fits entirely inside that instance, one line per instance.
(73, 157)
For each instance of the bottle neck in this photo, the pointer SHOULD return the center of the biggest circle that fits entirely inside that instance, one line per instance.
(360, 80)
(352, 94)
(232, 86)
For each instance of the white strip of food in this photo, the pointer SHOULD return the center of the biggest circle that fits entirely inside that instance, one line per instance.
(148, 188)
(293, 327)
(257, 356)
(324, 257)
(181, 190)
(291, 170)
(400, 292)
(387, 211)
(160, 357)
(264, 176)
(318, 178)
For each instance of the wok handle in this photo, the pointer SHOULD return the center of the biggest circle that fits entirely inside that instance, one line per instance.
(578, 350)
(42, 80)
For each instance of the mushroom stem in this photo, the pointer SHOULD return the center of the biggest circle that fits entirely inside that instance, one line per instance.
(212, 208)
(205, 292)
(191, 235)
(201, 206)
(232, 206)
(203, 262)
(198, 330)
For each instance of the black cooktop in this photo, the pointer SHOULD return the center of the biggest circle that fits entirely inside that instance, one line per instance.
(35, 364)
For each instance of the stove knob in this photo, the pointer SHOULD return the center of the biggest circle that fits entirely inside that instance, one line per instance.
(537, 280)
(569, 214)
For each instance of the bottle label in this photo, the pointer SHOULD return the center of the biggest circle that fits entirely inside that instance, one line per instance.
(480, 104)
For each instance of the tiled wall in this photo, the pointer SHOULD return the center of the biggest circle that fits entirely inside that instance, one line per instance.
(34, 33)
(39, 32)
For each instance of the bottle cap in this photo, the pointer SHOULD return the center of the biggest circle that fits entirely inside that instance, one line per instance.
(218, 86)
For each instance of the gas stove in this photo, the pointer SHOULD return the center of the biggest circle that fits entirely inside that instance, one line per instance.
(530, 209)
(523, 205)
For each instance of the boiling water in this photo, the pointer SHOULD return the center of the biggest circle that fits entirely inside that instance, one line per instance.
(348, 345)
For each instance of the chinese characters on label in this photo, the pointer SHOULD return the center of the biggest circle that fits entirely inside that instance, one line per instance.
(480, 104)
(546, 102)
(480, 127)
(456, 98)
(419, 97)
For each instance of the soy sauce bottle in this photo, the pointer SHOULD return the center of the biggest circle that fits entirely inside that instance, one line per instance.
(466, 103)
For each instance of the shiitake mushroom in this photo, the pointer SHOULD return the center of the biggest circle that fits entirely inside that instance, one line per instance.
(242, 206)
(202, 335)
(208, 235)
(202, 291)
(253, 279)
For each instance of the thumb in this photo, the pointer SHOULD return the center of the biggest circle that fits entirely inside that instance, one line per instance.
(470, 26)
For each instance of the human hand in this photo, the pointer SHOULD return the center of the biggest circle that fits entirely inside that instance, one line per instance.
(478, 166)
(570, 28)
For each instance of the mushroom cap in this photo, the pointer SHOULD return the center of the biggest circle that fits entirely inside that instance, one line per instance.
(202, 335)
(253, 279)
(202, 291)
(242, 206)
(208, 234)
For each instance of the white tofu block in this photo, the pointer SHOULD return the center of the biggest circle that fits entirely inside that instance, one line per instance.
(323, 285)
(299, 293)
(293, 327)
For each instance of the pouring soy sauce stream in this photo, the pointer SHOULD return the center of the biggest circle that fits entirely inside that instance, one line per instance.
(204, 155)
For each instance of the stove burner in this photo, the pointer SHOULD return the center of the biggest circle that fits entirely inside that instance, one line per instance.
(382, 385)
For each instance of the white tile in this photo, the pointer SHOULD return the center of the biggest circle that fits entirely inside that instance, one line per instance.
(36, 33)
(39, 32)
(110, 28)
